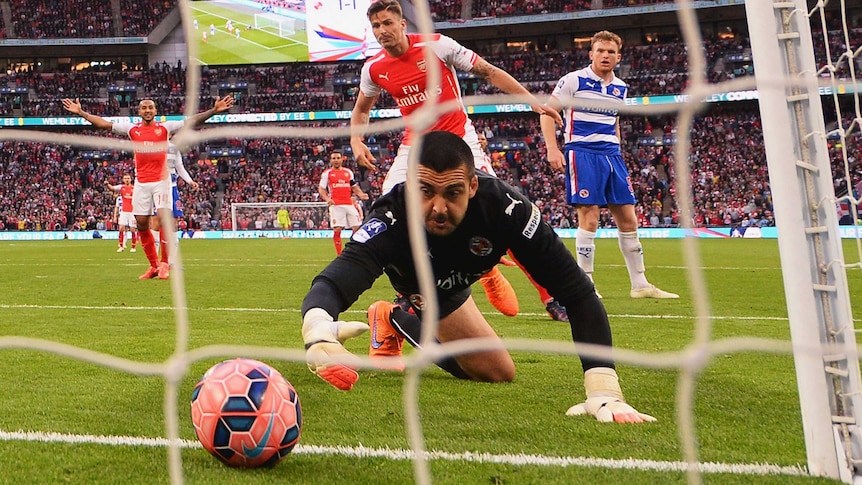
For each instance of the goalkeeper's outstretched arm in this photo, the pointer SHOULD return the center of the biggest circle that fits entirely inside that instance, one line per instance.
(546, 258)
(324, 337)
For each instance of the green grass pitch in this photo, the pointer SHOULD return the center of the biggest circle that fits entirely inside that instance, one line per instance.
(248, 292)
(252, 47)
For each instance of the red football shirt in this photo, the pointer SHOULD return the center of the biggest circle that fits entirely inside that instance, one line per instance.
(405, 79)
(339, 183)
(150, 166)
(126, 192)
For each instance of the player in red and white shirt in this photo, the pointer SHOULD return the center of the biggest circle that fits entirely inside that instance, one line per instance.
(336, 187)
(401, 70)
(152, 185)
(125, 218)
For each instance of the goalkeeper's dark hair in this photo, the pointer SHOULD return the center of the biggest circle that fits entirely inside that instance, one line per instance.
(442, 151)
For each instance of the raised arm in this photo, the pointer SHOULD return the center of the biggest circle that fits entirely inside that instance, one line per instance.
(552, 265)
(359, 119)
(335, 290)
(508, 84)
(75, 108)
(221, 104)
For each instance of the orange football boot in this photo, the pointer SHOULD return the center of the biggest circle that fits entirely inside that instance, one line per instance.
(386, 343)
(500, 292)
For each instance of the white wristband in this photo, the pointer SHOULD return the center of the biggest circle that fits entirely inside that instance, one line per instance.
(602, 382)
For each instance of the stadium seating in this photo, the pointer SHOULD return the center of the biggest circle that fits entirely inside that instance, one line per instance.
(729, 179)
(44, 19)
(730, 182)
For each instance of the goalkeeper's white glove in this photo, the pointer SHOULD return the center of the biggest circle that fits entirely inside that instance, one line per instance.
(324, 352)
(605, 399)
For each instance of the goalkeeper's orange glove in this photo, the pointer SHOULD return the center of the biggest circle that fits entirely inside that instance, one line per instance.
(605, 399)
(324, 352)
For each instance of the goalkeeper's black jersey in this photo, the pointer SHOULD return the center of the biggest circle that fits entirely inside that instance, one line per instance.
(498, 218)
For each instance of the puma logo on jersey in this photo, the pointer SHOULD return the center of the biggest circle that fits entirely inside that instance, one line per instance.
(511, 206)
(384, 76)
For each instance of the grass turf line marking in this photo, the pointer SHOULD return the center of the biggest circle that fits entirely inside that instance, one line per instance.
(473, 457)
(296, 310)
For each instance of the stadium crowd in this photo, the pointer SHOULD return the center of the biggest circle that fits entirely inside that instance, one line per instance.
(650, 70)
(452, 9)
(45, 186)
(48, 19)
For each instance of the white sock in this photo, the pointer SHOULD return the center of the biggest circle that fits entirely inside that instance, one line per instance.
(633, 253)
(586, 248)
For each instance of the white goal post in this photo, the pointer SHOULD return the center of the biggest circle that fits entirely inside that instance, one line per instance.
(280, 24)
(809, 241)
(265, 212)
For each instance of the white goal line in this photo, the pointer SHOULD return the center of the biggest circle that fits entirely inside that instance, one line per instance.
(395, 454)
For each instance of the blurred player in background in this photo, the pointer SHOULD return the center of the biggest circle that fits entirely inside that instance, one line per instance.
(176, 170)
(400, 69)
(471, 220)
(596, 174)
(152, 184)
(126, 217)
(337, 184)
(284, 222)
(183, 229)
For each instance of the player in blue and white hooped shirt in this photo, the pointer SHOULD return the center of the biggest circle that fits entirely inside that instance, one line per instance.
(595, 172)
(177, 170)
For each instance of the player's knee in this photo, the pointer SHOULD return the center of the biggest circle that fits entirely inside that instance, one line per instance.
(498, 376)
(495, 374)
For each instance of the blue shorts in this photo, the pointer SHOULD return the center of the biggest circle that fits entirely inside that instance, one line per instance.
(597, 179)
(177, 204)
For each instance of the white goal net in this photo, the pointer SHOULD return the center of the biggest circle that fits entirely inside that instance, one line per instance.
(276, 24)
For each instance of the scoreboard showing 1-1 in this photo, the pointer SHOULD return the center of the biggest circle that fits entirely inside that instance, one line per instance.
(338, 30)
(244, 32)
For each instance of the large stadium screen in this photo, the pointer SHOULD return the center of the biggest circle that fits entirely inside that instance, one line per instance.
(235, 32)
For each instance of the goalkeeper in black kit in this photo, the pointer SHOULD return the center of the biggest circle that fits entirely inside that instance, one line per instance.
(470, 220)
